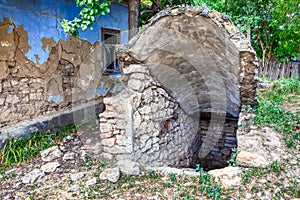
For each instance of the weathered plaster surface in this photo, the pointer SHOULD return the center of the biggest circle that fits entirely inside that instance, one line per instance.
(42, 71)
(42, 20)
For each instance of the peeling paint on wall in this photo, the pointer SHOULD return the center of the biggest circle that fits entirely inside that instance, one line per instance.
(42, 71)
(42, 20)
(56, 99)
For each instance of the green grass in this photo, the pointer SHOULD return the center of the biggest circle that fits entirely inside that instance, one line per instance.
(272, 111)
(18, 150)
(276, 167)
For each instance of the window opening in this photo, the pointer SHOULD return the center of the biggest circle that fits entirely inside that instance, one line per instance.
(110, 38)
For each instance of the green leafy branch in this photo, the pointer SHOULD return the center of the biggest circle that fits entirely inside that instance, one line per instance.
(87, 16)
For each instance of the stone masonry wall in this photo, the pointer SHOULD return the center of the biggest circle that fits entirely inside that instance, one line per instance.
(186, 75)
(145, 123)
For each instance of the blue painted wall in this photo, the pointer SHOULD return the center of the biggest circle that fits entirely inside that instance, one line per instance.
(42, 19)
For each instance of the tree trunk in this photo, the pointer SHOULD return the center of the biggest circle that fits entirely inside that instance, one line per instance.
(262, 48)
(263, 59)
(248, 32)
(133, 7)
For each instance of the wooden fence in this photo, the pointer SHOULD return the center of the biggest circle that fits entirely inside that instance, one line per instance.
(275, 70)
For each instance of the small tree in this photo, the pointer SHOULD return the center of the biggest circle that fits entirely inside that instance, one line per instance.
(273, 26)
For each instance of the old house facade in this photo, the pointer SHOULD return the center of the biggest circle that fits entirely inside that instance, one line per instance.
(43, 71)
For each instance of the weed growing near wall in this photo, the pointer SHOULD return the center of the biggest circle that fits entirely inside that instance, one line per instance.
(277, 109)
(233, 158)
(18, 150)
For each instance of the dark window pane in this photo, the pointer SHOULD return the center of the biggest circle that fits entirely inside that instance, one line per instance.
(109, 39)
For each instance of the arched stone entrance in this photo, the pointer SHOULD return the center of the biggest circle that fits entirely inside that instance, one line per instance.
(186, 75)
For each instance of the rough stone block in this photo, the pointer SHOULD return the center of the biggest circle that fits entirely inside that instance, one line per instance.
(35, 96)
(138, 76)
(129, 167)
(120, 124)
(106, 128)
(136, 85)
(248, 159)
(13, 99)
(137, 119)
(14, 83)
(108, 115)
(108, 142)
(115, 150)
(229, 177)
(111, 174)
(106, 135)
(134, 68)
(107, 156)
(145, 110)
(2, 101)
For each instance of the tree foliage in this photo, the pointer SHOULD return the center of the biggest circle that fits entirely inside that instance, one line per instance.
(87, 16)
(273, 26)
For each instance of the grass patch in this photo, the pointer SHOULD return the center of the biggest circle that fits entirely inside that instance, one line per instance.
(273, 109)
(18, 150)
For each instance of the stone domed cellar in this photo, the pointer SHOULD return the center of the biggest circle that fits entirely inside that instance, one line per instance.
(185, 77)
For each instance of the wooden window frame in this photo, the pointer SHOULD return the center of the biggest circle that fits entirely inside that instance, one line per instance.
(107, 68)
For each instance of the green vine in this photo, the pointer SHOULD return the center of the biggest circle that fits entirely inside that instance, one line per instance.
(87, 15)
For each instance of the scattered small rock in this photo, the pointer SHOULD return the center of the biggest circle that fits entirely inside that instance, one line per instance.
(88, 141)
(229, 177)
(129, 167)
(264, 84)
(68, 138)
(11, 171)
(69, 156)
(82, 154)
(75, 177)
(75, 148)
(8, 196)
(32, 176)
(18, 184)
(107, 156)
(63, 148)
(111, 174)
(92, 181)
(50, 167)
(248, 159)
(51, 154)
(171, 170)
(248, 196)
(153, 198)
(77, 142)
(74, 189)
(188, 184)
